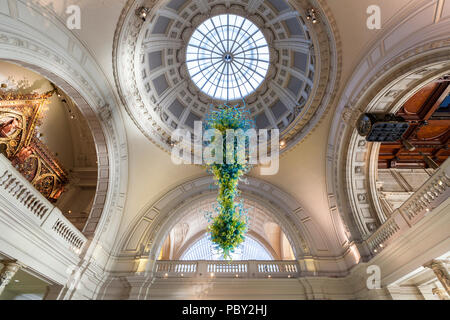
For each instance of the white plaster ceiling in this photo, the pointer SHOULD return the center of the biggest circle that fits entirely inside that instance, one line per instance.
(302, 170)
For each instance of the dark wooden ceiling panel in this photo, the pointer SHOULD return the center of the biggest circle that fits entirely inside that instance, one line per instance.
(429, 130)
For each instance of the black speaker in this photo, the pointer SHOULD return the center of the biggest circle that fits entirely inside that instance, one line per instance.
(381, 127)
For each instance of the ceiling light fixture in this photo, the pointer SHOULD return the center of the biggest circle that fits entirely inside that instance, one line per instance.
(312, 15)
(142, 13)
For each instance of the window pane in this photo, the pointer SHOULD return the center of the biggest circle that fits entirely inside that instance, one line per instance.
(204, 249)
(227, 57)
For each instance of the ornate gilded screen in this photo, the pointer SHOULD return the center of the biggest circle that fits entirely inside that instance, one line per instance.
(19, 117)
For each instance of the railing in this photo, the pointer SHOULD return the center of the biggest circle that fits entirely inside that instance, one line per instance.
(280, 267)
(175, 267)
(430, 195)
(29, 203)
(224, 269)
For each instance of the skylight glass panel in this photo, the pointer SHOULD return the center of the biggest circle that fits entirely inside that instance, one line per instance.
(227, 57)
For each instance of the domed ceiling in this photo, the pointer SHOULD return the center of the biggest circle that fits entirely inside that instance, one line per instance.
(173, 66)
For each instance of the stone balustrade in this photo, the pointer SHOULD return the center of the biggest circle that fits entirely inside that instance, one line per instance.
(430, 195)
(24, 200)
(225, 269)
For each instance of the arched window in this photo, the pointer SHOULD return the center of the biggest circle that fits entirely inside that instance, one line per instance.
(203, 249)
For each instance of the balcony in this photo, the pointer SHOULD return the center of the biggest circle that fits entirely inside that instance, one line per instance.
(429, 196)
(225, 269)
(34, 231)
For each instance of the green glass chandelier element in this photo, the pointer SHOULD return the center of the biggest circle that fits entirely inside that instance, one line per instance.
(229, 223)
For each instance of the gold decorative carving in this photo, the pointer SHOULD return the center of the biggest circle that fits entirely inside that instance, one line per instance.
(20, 114)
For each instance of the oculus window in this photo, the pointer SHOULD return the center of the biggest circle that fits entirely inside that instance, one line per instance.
(227, 57)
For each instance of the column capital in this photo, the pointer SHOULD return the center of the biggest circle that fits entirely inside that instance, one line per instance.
(9, 270)
(9, 266)
(440, 293)
(441, 272)
(435, 263)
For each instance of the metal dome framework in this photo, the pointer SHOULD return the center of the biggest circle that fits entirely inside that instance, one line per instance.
(227, 57)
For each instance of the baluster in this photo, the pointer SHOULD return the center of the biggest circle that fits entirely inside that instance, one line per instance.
(16, 188)
(22, 195)
(33, 204)
(4, 178)
(44, 212)
(8, 183)
(39, 209)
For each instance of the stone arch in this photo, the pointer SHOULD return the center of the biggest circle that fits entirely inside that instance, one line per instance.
(65, 61)
(147, 233)
(355, 178)
(381, 83)
(192, 219)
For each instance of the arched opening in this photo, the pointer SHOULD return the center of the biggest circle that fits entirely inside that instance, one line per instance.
(189, 238)
(405, 165)
(48, 140)
(356, 188)
(179, 215)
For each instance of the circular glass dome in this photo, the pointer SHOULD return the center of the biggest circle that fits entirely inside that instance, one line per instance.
(227, 57)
